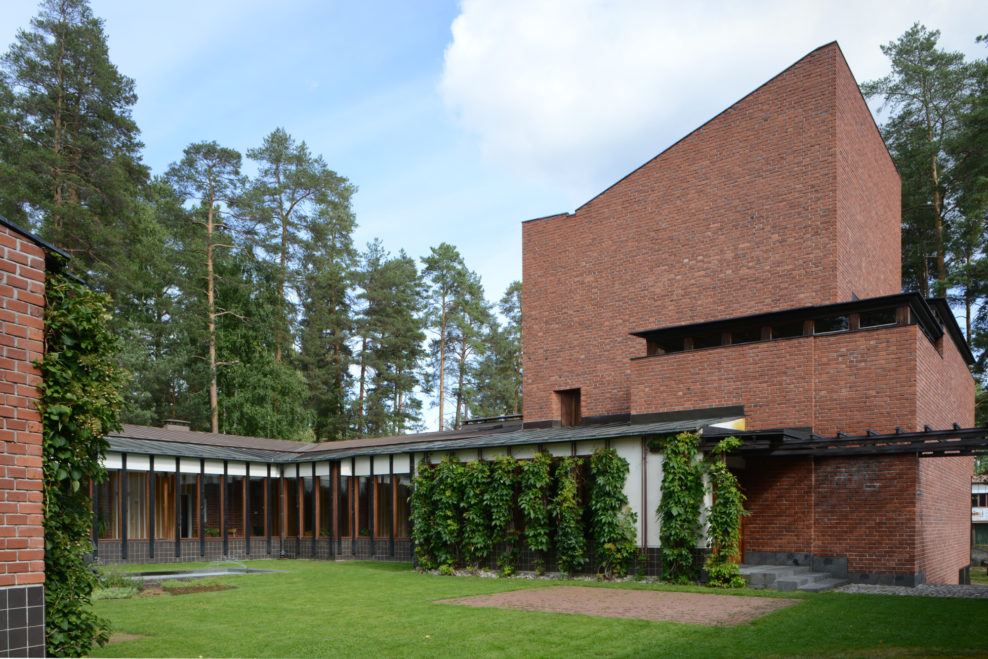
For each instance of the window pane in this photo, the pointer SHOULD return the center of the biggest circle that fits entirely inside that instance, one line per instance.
(364, 506)
(787, 330)
(707, 340)
(136, 506)
(291, 505)
(235, 506)
(212, 522)
(325, 507)
(832, 324)
(878, 318)
(108, 513)
(345, 507)
(402, 526)
(256, 507)
(746, 335)
(308, 503)
(384, 492)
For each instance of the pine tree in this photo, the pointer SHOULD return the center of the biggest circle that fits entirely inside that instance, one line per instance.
(209, 176)
(926, 92)
(326, 326)
(446, 275)
(69, 148)
(390, 334)
(498, 373)
(293, 191)
(471, 316)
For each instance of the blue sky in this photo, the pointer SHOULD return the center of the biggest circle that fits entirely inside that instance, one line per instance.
(458, 121)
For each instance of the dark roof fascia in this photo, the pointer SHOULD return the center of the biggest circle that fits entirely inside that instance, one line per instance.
(427, 444)
(532, 436)
(161, 448)
(793, 442)
(45, 245)
(946, 315)
(924, 315)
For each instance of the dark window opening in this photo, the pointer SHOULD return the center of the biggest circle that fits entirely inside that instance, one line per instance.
(707, 340)
(878, 318)
(831, 324)
(788, 330)
(749, 335)
(569, 407)
(664, 347)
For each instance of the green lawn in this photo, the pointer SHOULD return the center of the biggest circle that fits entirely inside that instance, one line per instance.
(386, 609)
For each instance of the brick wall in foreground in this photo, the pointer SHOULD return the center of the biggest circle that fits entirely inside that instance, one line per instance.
(22, 286)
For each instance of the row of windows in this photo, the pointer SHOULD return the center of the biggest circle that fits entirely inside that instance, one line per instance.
(979, 500)
(816, 326)
(362, 503)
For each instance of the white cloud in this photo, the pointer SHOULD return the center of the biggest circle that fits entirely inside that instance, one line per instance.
(578, 92)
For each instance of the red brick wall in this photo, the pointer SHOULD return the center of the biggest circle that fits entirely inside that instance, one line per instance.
(850, 382)
(869, 259)
(22, 274)
(861, 509)
(945, 396)
(739, 217)
(865, 510)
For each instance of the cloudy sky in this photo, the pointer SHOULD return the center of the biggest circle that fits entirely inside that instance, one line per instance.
(457, 121)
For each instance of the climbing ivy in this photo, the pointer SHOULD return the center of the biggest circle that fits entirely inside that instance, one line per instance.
(533, 482)
(477, 537)
(80, 398)
(447, 495)
(567, 514)
(461, 511)
(680, 506)
(724, 519)
(422, 515)
(612, 523)
(500, 500)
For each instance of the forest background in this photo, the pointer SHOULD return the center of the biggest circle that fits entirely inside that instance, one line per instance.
(245, 307)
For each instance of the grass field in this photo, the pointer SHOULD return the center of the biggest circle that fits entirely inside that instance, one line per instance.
(386, 609)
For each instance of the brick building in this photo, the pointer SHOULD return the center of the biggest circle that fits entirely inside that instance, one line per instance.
(22, 565)
(756, 263)
(744, 281)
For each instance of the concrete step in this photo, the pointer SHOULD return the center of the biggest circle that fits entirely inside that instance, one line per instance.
(787, 578)
(828, 583)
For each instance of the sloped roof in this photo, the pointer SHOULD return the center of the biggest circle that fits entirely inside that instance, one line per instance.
(214, 446)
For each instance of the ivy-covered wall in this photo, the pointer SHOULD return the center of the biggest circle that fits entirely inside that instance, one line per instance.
(569, 512)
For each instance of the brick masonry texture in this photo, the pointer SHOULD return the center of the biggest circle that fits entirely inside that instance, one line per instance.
(22, 287)
(787, 199)
(762, 208)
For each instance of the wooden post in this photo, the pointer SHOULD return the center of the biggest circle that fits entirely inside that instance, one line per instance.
(267, 508)
(372, 518)
(123, 506)
(246, 506)
(202, 506)
(394, 500)
(335, 482)
(225, 509)
(150, 505)
(178, 507)
(299, 501)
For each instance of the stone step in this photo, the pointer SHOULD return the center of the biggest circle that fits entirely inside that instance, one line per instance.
(787, 578)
